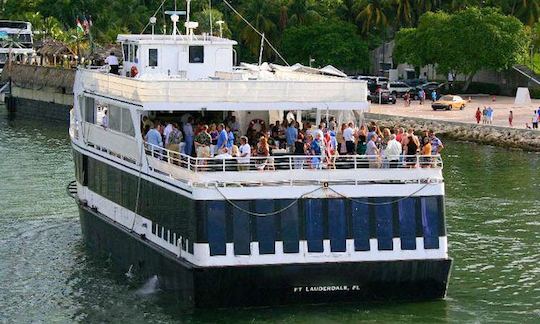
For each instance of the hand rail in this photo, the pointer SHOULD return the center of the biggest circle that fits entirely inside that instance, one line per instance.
(291, 162)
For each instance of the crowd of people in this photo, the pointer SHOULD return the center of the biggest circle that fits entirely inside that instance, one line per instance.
(312, 147)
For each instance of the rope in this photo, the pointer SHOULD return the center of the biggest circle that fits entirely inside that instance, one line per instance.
(265, 214)
(138, 188)
(308, 193)
(258, 32)
(379, 204)
(155, 13)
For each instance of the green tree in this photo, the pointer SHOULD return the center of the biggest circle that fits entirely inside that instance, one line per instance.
(465, 42)
(330, 42)
(203, 18)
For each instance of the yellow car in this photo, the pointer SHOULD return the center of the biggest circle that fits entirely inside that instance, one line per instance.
(449, 102)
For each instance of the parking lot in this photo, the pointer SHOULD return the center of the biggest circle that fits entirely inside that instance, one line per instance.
(501, 106)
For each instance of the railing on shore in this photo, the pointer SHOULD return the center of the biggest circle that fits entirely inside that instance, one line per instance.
(290, 162)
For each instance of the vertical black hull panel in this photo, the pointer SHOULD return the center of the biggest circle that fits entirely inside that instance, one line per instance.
(265, 285)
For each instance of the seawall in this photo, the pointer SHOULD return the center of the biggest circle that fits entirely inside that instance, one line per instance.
(525, 139)
(39, 92)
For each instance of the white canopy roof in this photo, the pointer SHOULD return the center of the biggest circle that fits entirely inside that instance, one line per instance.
(226, 95)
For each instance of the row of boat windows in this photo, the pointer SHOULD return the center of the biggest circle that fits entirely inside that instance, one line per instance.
(118, 118)
(315, 220)
(164, 207)
(131, 54)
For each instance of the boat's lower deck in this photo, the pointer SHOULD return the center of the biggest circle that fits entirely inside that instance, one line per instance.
(264, 284)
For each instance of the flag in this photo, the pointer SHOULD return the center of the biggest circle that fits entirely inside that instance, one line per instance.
(86, 26)
(80, 28)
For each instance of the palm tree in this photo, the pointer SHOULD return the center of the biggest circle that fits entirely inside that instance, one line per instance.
(348, 10)
(373, 14)
(301, 12)
(404, 12)
(263, 15)
(528, 11)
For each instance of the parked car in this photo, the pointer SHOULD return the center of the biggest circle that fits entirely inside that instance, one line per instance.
(449, 102)
(398, 89)
(373, 79)
(384, 97)
(428, 88)
(415, 83)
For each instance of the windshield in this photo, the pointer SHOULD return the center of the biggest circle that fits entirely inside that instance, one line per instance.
(447, 98)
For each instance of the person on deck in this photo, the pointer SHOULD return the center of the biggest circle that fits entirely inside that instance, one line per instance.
(373, 152)
(244, 154)
(175, 138)
(291, 135)
(436, 144)
(478, 115)
(222, 138)
(154, 138)
(348, 135)
(188, 134)
(202, 143)
(393, 152)
(112, 61)
(105, 120)
(230, 138)
(425, 160)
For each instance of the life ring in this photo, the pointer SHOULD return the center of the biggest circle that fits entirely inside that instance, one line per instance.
(257, 121)
(134, 71)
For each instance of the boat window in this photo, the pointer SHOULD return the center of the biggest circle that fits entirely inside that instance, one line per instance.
(126, 52)
(152, 57)
(135, 53)
(127, 123)
(196, 54)
(131, 52)
(89, 110)
(120, 120)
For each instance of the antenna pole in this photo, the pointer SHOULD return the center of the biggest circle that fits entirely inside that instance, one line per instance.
(261, 52)
(187, 15)
(211, 23)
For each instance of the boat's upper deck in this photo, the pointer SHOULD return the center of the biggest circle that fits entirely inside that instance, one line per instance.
(172, 94)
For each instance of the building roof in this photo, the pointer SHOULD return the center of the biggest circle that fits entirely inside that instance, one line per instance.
(52, 47)
(174, 39)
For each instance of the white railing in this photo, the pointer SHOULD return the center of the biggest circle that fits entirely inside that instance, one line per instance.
(224, 91)
(289, 162)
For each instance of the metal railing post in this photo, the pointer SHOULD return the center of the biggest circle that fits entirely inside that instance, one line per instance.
(290, 163)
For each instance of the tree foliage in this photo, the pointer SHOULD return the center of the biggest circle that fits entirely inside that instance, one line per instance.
(464, 42)
(374, 21)
(332, 42)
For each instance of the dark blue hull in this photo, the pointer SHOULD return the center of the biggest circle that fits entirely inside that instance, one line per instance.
(264, 285)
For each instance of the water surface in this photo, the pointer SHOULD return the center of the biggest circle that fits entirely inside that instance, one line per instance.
(493, 216)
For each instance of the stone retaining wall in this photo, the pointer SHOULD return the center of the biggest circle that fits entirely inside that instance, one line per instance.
(35, 109)
(525, 139)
